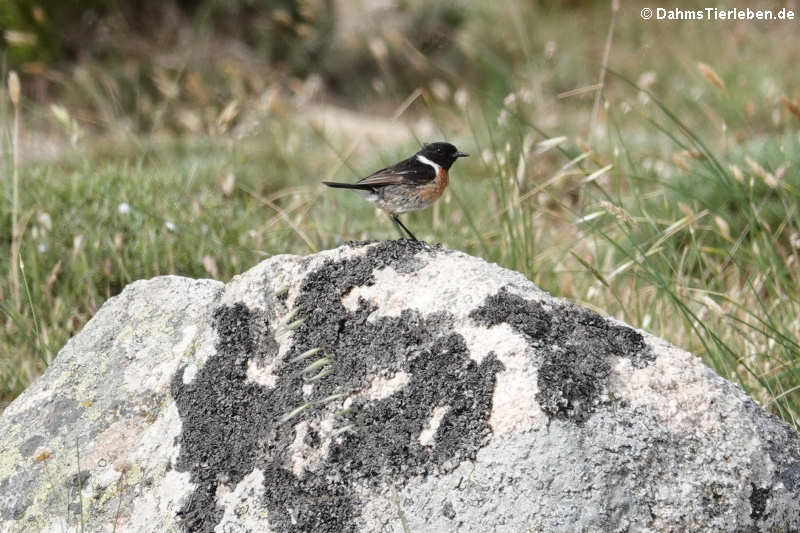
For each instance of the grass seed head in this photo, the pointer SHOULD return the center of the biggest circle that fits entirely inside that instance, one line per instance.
(14, 88)
(709, 74)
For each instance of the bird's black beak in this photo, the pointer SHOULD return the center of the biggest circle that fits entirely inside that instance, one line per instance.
(461, 154)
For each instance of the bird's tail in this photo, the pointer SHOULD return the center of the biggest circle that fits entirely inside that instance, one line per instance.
(337, 185)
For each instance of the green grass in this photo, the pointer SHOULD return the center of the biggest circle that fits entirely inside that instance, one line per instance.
(677, 215)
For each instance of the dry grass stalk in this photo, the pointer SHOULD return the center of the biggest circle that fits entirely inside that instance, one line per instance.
(14, 91)
(606, 57)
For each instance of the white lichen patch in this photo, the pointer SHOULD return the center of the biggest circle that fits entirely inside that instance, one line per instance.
(239, 512)
(40, 393)
(452, 283)
(514, 405)
(188, 336)
(305, 457)
(107, 477)
(278, 273)
(9, 459)
(382, 510)
(677, 389)
(156, 447)
(298, 447)
(284, 338)
(426, 436)
(262, 375)
(383, 387)
(154, 508)
(150, 367)
(500, 339)
(199, 348)
(189, 373)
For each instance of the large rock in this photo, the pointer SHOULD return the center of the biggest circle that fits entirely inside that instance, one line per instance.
(384, 387)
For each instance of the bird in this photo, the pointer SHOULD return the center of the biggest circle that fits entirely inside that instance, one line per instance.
(410, 185)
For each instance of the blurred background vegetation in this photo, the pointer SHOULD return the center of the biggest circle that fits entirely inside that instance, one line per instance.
(190, 137)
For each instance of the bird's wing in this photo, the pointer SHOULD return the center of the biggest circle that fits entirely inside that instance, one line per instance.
(409, 171)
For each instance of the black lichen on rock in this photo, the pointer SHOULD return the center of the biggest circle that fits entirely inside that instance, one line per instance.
(78, 480)
(230, 425)
(448, 510)
(790, 474)
(780, 441)
(758, 502)
(30, 445)
(575, 346)
(526, 317)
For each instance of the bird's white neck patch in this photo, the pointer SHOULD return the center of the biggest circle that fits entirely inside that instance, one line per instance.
(423, 159)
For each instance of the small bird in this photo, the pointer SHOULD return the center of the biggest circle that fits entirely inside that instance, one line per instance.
(412, 184)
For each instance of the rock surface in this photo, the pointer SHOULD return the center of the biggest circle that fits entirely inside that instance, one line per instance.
(384, 387)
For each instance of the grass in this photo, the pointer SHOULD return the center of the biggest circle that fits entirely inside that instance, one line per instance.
(677, 213)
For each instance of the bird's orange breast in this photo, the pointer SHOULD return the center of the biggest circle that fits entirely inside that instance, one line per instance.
(432, 191)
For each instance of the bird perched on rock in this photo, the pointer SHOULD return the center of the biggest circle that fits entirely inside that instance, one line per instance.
(411, 184)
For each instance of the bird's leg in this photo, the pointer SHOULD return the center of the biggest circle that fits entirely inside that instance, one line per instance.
(401, 227)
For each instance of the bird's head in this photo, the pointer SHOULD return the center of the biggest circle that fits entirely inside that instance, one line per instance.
(442, 153)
